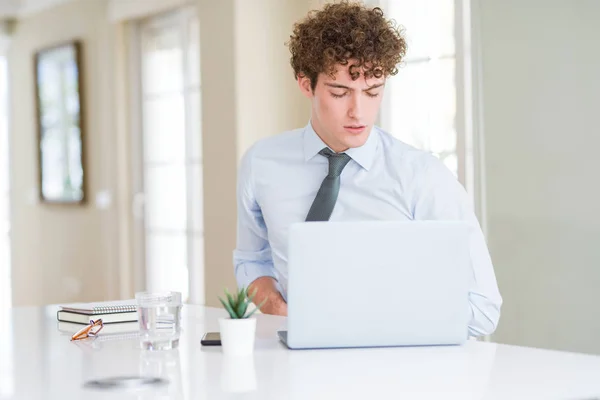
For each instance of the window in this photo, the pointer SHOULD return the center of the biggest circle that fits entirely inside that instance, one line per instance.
(171, 154)
(423, 102)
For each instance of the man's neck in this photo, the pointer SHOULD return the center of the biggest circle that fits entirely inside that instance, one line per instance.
(332, 146)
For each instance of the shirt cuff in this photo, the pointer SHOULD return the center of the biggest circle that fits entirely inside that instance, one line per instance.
(249, 272)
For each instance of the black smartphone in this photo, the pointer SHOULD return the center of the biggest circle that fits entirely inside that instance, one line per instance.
(211, 339)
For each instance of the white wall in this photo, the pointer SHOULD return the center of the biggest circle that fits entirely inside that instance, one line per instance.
(267, 97)
(247, 93)
(63, 253)
(219, 138)
(541, 88)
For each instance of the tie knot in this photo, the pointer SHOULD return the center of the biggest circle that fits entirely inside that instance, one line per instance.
(337, 161)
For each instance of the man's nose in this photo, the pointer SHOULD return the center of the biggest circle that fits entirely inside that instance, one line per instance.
(355, 109)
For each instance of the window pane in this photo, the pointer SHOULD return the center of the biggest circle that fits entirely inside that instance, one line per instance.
(166, 264)
(429, 25)
(443, 25)
(443, 102)
(195, 121)
(53, 166)
(164, 129)
(3, 123)
(3, 142)
(162, 57)
(166, 197)
(196, 263)
(422, 106)
(3, 179)
(408, 100)
(197, 206)
(412, 15)
(3, 133)
(172, 148)
(4, 221)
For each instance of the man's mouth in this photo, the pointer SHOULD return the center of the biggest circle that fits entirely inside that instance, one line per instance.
(355, 128)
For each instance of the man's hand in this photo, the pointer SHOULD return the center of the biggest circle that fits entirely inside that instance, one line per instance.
(266, 289)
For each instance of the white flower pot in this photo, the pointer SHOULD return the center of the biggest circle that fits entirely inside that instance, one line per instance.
(237, 336)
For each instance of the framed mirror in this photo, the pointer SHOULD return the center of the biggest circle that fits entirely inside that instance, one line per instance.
(58, 82)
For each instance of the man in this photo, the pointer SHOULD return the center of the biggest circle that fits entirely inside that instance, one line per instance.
(340, 166)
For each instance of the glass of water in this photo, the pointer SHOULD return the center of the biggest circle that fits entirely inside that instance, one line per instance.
(159, 315)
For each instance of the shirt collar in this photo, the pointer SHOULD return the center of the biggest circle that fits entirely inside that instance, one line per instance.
(364, 155)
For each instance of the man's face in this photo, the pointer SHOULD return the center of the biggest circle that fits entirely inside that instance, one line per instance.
(343, 110)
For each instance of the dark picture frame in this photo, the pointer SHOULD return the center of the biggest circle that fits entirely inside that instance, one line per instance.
(60, 124)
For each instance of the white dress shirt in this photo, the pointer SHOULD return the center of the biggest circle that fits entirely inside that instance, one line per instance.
(386, 180)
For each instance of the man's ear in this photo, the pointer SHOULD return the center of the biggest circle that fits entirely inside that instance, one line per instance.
(304, 85)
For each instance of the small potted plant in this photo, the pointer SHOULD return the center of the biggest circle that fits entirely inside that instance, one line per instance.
(238, 331)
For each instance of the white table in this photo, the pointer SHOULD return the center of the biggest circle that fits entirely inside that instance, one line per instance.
(43, 364)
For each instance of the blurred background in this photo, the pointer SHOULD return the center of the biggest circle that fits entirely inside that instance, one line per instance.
(122, 123)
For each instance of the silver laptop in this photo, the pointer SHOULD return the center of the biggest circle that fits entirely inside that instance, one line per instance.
(377, 283)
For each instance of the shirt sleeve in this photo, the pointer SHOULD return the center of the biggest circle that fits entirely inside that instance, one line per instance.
(439, 196)
(252, 257)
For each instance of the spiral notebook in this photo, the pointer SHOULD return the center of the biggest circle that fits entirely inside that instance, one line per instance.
(109, 311)
(104, 307)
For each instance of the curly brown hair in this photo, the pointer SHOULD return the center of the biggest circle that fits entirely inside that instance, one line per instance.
(346, 31)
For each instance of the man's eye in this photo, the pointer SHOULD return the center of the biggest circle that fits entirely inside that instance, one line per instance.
(372, 94)
(338, 95)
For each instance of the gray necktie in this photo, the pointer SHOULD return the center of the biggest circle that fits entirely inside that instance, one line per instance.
(327, 195)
